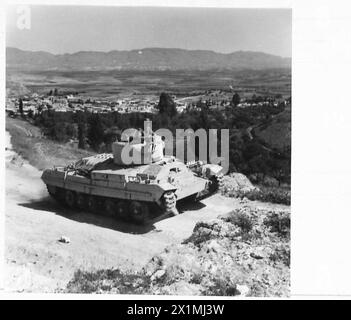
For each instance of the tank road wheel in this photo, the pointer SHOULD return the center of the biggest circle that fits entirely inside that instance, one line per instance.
(110, 207)
(70, 198)
(81, 201)
(122, 209)
(216, 183)
(220, 179)
(92, 204)
(169, 201)
(139, 212)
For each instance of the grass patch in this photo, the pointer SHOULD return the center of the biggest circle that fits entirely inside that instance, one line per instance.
(111, 281)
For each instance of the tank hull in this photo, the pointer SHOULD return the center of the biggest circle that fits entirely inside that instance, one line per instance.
(102, 185)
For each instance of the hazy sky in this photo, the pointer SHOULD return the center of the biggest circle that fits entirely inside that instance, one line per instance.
(63, 29)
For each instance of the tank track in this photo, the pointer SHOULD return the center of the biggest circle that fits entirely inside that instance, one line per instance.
(169, 201)
(217, 183)
(132, 211)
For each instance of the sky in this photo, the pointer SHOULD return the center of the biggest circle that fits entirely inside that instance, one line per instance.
(69, 29)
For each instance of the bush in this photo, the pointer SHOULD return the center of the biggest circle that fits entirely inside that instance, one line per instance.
(222, 287)
(111, 280)
(241, 220)
(282, 254)
(268, 194)
(278, 223)
(196, 278)
(202, 232)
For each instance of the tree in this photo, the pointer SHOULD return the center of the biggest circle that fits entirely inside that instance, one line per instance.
(81, 135)
(20, 106)
(236, 100)
(204, 110)
(111, 135)
(166, 105)
(96, 131)
(55, 92)
(82, 129)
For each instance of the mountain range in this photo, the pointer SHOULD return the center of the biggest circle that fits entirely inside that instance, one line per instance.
(143, 59)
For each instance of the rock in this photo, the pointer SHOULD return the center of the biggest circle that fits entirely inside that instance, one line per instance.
(243, 289)
(244, 200)
(255, 256)
(214, 246)
(237, 183)
(258, 254)
(64, 239)
(17, 160)
(158, 274)
(183, 288)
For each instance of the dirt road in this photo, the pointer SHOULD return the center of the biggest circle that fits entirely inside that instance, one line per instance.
(37, 262)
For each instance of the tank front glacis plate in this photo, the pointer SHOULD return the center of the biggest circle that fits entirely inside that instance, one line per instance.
(188, 187)
(184, 180)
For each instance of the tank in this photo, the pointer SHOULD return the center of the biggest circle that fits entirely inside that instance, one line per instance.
(138, 192)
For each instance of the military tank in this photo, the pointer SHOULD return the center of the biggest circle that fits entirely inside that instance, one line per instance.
(137, 192)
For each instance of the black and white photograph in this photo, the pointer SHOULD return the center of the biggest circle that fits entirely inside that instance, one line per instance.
(148, 151)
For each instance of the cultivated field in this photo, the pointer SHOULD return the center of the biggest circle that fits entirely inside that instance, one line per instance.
(120, 83)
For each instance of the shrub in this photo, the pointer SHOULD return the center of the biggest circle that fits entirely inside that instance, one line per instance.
(268, 194)
(222, 287)
(196, 278)
(202, 232)
(282, 254)
(107, 280)
(241, 220)
(278, 223)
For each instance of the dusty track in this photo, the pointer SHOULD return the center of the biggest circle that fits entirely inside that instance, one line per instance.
(37, 262)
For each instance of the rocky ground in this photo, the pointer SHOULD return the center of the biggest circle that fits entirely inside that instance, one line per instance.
(245, 252)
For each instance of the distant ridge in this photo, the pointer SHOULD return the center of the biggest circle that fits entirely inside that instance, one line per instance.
(143, 59)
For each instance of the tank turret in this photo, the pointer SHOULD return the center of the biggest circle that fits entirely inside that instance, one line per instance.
(143, 152)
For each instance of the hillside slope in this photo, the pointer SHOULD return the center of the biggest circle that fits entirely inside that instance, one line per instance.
(277, 132)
